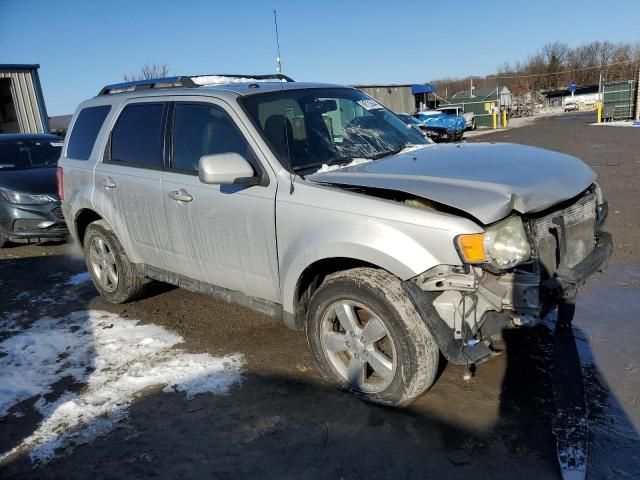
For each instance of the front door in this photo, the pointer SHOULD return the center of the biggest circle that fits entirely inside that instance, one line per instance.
(220, 234)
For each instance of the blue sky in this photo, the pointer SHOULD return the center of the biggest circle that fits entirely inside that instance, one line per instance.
(83, 45)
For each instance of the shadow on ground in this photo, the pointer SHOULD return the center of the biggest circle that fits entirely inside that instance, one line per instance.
(291, 425)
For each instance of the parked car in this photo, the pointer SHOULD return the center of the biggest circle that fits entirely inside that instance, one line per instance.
(314, 204)
(570, 107)
(469, 117)
(417, 124)
(444, 128)
(29, 204)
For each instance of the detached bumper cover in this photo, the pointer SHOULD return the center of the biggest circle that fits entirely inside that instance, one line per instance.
(566, 280)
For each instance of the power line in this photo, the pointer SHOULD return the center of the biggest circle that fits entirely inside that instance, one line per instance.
(560, 73)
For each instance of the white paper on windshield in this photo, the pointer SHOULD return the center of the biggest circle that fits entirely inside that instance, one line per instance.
(56, 144)
(369, 104)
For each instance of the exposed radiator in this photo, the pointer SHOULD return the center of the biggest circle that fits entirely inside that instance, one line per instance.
(566, 235)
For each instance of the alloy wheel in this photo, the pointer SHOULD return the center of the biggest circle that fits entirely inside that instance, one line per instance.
(103, 264)
(358, 346)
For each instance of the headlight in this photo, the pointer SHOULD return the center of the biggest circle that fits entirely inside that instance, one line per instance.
(12, 196)
(503, 245)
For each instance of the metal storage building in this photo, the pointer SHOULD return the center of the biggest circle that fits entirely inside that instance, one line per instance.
(22, 108)
(397, 98)
(400, 98)
(584, 96)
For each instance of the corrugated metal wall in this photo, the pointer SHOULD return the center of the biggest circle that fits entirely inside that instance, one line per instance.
(24, 91)
(397, 98)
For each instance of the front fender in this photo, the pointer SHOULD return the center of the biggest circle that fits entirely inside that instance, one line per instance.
(404, 250)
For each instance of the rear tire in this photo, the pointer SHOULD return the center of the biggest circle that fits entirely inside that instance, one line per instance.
(355, 306)
(112, 273)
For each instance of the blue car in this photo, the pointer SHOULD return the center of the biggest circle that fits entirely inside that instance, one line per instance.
(444, 127)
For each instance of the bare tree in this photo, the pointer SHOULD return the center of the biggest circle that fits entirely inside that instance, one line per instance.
(150, 70)
(555, 64)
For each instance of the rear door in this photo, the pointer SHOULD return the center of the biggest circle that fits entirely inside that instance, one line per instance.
(127, 181)
(220, 234)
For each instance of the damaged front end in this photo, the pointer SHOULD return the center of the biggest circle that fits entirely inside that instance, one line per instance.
(468, 306)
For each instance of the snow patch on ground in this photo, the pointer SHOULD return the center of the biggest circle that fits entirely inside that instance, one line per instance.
(8, 324)
(617, 123)
(79, 278)
(115, 360)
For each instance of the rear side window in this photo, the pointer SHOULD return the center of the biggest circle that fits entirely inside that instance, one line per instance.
(137, 138)
(85, 131)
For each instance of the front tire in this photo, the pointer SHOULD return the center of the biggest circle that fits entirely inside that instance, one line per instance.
(112, 273)
(368, 339)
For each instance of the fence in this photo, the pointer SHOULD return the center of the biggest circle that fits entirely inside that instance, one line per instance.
(482, 110)
(619, 100)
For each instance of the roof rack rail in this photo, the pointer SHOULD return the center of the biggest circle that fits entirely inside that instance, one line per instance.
(166, 82)
(190, 81)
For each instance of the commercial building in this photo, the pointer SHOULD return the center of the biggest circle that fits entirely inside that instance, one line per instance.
(401, 98)
(22, 107)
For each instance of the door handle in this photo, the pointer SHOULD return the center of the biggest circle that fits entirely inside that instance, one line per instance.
(107, 182)
(180, 195)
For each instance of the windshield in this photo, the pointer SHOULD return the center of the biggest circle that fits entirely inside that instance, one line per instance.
(29, 153)
(408, 119)
(311, 127)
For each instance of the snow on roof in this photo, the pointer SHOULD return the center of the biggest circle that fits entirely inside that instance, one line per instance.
(221, 80)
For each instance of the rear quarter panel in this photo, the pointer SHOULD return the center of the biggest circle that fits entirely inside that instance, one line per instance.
(78, 177)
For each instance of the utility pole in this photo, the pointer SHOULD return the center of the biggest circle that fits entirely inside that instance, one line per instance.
(600, 87)
(638, 96)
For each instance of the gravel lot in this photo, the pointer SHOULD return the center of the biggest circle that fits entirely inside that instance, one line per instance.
(282, 421)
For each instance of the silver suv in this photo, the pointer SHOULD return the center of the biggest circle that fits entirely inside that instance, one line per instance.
(315, 204)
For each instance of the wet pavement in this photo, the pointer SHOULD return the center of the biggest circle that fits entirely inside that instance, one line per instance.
(282, 421)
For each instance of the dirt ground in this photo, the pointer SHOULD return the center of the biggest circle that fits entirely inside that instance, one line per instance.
(283, 421)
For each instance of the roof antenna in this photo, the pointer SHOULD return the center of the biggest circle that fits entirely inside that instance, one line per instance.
(278, 60)
(286, 134)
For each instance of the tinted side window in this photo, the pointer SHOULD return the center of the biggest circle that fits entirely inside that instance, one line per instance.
(201, 129)
(137, 138)
(85, 131)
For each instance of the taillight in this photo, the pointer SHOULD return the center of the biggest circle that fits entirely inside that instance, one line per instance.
(60, 180)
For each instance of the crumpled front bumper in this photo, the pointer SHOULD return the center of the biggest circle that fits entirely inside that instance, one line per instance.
(566, 281)
(466, 309)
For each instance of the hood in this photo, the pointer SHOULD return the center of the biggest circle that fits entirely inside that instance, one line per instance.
(30, 180)
(486, 180)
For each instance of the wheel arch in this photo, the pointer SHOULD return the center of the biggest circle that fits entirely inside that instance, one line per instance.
(83, 218)
(306, 275)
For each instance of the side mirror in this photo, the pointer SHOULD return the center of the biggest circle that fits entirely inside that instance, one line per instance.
(225, 169)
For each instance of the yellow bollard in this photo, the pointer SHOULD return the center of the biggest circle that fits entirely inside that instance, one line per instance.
(599, 112)
(504, 119)
(495, 120)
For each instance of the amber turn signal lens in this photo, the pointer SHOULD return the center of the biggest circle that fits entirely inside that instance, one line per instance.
(472, 247)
